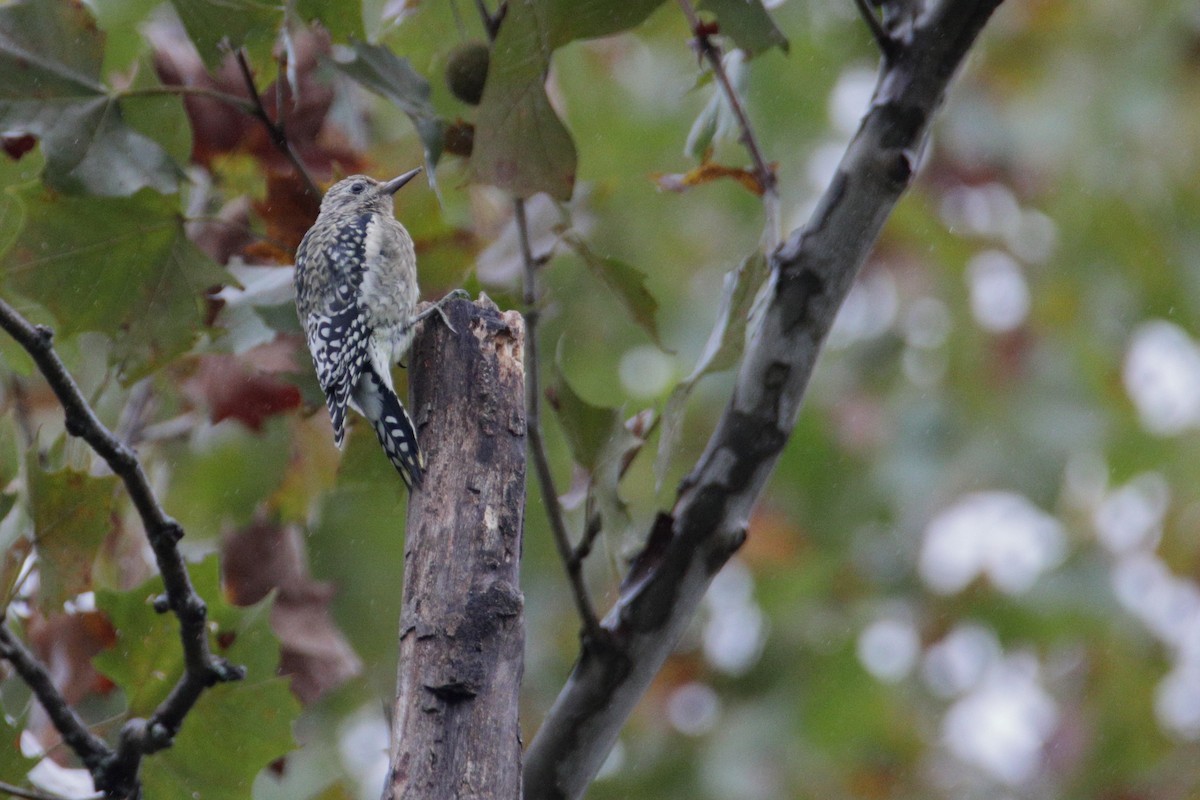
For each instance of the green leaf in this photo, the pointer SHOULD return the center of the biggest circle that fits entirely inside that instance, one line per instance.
(342, 18)
(15, 533)
(357, 543)
(12, 219)
(235, 729)
(218, 26)
(15, 546)
(377, 68)
(716, 121)
(521, 145)
(598, 440)
(224, 481)
(725, 344)
(120, 20)
(50, 60)
(72, 513)
(563, 21)
(129, 272)
(747, 23)
(14, 766)
(160, 117)
(626, 281)
(587, 427)
(147, 658)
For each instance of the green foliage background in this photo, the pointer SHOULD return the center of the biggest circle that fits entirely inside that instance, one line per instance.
(1082, 121)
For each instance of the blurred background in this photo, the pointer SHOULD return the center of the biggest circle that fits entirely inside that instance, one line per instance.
(975, 571)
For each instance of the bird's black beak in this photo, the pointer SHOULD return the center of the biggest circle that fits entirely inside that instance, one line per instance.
(394, 184)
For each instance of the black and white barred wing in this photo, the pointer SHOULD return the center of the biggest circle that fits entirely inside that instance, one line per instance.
(339, 345)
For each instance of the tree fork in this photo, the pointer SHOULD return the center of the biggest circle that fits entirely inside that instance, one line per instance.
(462, 630)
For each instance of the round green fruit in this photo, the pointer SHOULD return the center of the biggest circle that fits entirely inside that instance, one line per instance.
(466, 72)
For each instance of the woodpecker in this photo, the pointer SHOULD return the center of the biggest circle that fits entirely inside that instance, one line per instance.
(356, 296)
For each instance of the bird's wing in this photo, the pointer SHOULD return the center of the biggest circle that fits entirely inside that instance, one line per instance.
(339, 344)
(336, 329)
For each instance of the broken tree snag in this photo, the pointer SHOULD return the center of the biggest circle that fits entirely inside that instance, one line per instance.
(462, 630)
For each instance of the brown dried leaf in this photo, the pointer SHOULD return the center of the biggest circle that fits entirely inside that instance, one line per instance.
(220, 128)
(66, 643)
(265, 557)
(243, 387)
(708, 172)
(288, 210)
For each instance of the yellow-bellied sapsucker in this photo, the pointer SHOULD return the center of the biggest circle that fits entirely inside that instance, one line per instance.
(356, 295)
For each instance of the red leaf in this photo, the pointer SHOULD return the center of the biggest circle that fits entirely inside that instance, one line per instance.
(243, 388)
(289, 211)
(18, 145)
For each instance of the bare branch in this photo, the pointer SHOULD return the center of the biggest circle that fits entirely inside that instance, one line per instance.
(537, 445)
(811, 274)
(762, 171)
(274, 130)
(117, 776)
(592, 527)
(91, 749)
(886, 44)
(491, 22)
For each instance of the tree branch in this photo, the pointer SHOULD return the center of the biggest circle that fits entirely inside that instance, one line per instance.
(91, 749)
(811, 274)
(709, 50)
(491, 22)
(274, 130)
(885, 43)
(537, 445)
(117, 776)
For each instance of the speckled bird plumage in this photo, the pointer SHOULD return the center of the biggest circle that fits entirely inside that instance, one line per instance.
(356, 295)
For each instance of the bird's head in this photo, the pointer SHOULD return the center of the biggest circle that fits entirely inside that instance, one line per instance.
(363, 194)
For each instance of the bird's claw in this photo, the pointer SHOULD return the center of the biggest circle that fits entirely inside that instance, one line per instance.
(457, 294)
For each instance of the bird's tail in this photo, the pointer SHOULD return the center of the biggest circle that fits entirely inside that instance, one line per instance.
(392, 425)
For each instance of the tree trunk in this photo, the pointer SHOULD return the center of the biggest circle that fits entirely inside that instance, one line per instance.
(454, 731)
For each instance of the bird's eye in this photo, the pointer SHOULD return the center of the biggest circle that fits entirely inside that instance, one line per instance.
(358, 187)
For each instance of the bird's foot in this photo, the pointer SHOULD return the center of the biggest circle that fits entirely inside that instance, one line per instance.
(457, 294)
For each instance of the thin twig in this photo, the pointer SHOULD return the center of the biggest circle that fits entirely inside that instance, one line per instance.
(591, 529)
(117, 776)
(91, 749)
(537, 446)
(132, 421)
(34, 794)
(192, 91)
(886, 44)
(766, 177)
(274, 131)
(281, 85)
(491, 22)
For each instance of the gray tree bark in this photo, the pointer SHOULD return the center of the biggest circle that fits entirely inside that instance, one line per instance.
(462, 634)
(811, 273)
